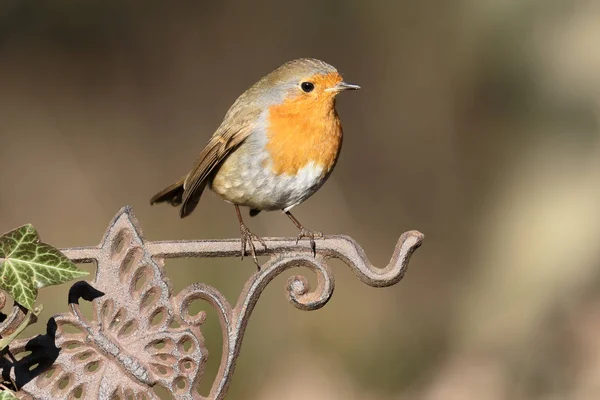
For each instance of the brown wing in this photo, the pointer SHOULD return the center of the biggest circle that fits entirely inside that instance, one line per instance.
(225, 140)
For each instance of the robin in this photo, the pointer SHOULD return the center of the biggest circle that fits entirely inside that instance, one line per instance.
(276, 146)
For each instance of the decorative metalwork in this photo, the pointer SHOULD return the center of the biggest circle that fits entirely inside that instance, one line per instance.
(141, 335)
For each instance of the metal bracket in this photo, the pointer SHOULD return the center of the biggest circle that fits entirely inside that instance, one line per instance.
(141, 335)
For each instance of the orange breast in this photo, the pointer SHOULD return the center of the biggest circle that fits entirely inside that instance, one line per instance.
(303, 130)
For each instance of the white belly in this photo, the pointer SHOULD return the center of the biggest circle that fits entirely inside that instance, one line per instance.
(248, 180)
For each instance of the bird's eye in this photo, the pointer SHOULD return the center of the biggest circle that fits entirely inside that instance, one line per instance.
(307, 86)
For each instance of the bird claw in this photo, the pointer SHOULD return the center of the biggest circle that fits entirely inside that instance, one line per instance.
(248, 238)
(311, 235)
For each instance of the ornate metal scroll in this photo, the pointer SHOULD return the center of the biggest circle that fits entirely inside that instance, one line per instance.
(141, 335)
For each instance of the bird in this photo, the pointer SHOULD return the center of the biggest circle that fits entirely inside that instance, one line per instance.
(276, 146)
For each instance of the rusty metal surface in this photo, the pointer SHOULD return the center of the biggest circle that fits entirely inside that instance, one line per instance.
(141, 335)
(14, 319)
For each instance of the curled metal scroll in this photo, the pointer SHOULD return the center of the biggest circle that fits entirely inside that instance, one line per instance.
(141, 335)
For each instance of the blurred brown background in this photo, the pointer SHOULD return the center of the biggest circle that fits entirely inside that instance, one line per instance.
(477, 125)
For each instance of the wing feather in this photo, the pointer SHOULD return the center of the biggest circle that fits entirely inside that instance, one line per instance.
(221, 144)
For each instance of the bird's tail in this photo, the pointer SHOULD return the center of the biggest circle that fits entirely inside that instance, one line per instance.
(172, 194)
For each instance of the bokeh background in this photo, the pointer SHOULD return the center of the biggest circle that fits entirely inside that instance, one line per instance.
(477, 125)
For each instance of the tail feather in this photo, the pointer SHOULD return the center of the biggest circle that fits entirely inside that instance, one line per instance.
(192, 200)
(172, 194)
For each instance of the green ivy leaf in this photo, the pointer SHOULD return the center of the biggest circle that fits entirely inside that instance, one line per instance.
(7, 395)
(26, 264)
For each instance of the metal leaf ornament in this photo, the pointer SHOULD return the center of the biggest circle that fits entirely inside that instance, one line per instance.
(130, 344)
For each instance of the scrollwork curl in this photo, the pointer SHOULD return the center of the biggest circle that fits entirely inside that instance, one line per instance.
(346, 249)
(201, 291)
(299, 291)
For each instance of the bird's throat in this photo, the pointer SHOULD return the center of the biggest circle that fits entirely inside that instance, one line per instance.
(301, 132)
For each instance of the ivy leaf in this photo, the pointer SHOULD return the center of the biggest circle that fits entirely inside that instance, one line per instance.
(7, 395)
(26, 264)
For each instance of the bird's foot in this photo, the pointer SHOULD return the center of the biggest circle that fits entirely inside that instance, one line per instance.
(248, 238)
(310, 235)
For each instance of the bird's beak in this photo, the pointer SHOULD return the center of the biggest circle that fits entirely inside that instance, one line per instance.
(342, 86)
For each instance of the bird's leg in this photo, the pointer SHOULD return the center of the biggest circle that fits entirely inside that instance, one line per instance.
(248, 237)
(305, 233)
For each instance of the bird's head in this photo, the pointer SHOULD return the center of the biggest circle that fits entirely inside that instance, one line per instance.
(305, 82)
